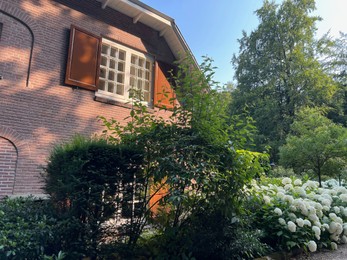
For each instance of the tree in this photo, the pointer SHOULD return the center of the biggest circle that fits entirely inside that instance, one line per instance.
(333, 57)
(316, 143)
(277, 72)
(195, 166)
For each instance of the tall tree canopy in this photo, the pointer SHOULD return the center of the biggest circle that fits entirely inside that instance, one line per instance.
(277, 72)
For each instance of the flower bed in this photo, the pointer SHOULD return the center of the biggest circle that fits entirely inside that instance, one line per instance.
(294, 215)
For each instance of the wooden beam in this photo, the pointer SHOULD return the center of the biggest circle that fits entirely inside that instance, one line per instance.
(162, 32)
(137, 17)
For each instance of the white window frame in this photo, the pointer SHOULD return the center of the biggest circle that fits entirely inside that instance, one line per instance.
(128, 52)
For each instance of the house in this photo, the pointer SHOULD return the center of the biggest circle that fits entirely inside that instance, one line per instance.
(65, 62)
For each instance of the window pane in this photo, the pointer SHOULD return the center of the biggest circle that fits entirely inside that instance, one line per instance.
(105, 49)
(101, 84)
(104, 61)
(111, 75)
(146, 96)
(120, 89)
(110, 87)
(113, 52)
(148, 65)
(121, 66)
(140, 73)
(132, 82)
(112, 64)
(121, 55)
(147, 75)
(141, 62)
(120, 78)
(133, 59)
(132, 71)
(139, 84)
(102, 73)
(147, 85)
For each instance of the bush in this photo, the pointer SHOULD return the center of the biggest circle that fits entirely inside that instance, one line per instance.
(27, 229)
(209, 234)
(300, 215)
(84, 180)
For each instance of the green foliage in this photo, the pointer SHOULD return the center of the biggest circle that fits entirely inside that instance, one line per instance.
(209, 234)
(27, 229)
(294, 214)
(316, 144)
(83, 178)
(271, 81)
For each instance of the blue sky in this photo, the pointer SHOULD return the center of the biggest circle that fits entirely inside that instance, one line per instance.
(212, 27)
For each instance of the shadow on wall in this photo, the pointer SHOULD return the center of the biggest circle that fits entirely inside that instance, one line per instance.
(47, 111)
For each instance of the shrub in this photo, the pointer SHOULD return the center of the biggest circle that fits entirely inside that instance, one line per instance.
(84, 179)
(294, 214)
(27, 229)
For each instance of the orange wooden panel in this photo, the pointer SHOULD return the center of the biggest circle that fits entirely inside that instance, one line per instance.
(84, 59)
(163, 92)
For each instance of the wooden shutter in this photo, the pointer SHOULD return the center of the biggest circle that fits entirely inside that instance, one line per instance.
(156, 196)
(84, 59)
(163, 92)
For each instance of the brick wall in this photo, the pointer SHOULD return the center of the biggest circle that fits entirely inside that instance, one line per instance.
(8, 162)
(35, 117)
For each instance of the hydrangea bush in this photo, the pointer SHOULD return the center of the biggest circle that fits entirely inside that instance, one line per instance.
(294, 214)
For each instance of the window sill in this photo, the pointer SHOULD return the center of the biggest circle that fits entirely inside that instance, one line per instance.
(118, 103)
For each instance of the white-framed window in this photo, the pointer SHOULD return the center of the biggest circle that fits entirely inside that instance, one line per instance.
(125, 74)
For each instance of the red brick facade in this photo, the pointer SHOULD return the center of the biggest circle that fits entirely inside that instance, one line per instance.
(37, 109)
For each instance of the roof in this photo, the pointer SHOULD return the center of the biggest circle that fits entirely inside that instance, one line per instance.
(156, 20)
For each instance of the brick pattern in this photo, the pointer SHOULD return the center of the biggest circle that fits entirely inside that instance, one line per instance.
(8, 163)
(47, 112)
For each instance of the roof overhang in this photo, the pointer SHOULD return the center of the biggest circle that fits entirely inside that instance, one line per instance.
(156, 20)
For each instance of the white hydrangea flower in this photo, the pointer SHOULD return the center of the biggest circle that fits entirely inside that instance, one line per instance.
(326, 208)
(345, 229)
(292, 208)
(344, 239)
(344, 212)
(301, 191)
(292, 216)
(333, 216)
(280, 195)
(332, 192)
(300, 222)
(318, 224)
(288, 198)
(288, 186)
(325, 226)
(319, 213)
(318, 206)
(282, 221)
(267, 199)
(339, 220)
(332, 227)
(278, 211)
(341, 189)
(339, 229)
(313, 217)
(291, 226)
(316, 230)
(336, 209)
(297, 182)
(333, 246)
(312, 246)
(286, 180)
(311, 185)
(307, 222)
(334, 237)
